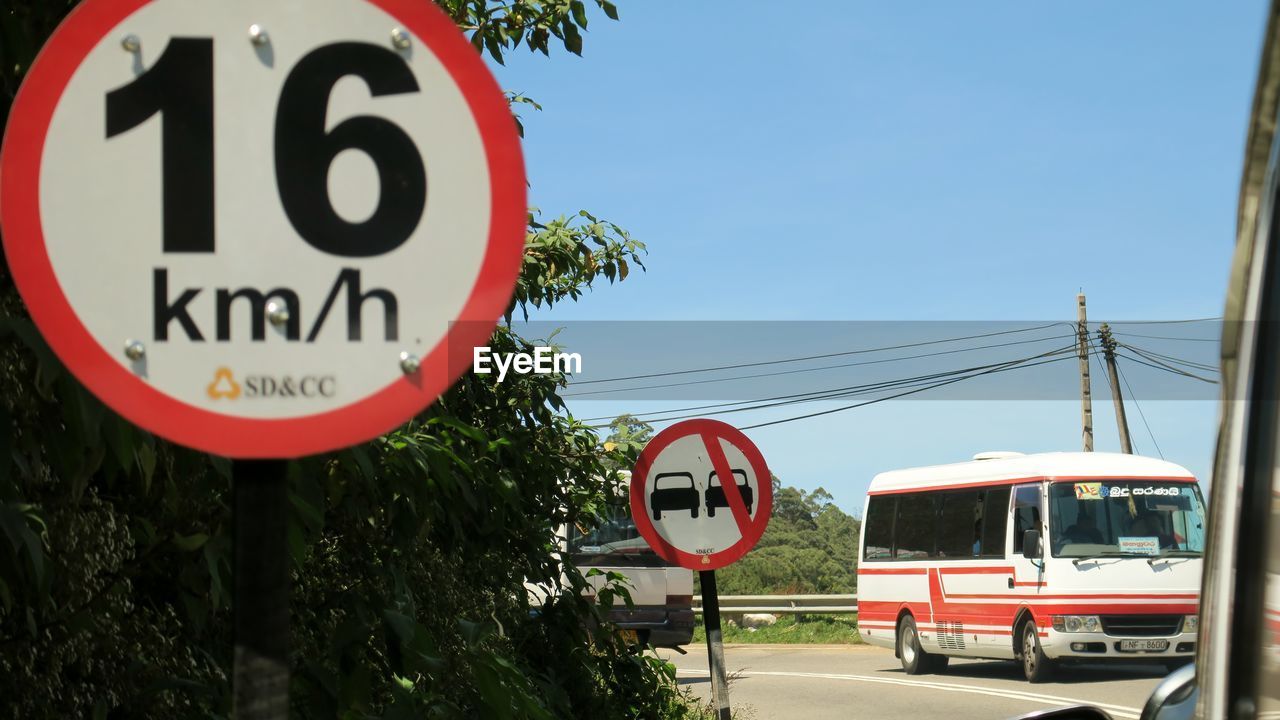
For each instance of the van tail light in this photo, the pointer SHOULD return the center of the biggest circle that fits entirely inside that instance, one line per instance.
(680, 600)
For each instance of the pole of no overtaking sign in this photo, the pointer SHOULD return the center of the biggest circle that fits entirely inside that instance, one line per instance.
(685, 480)
(715, 643)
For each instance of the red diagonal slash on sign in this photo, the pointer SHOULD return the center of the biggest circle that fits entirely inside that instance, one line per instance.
(728, 482)
(686, 550)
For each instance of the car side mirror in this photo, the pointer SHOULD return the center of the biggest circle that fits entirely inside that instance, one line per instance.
(1031, 544)
(1174, 698)
(1072, 712)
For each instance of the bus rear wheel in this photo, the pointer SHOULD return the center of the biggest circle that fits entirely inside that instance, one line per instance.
(915, 661)
(1036, 666)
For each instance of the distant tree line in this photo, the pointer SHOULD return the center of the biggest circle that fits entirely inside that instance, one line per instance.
(811, 546)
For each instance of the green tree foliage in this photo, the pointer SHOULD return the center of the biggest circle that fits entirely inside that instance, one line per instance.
(409, 554)
(628, 433)
(811, 546)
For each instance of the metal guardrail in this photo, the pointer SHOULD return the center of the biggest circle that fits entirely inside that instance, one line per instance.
(783, 604)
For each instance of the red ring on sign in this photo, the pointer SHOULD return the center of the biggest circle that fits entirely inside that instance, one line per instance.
(142, 404)
(640, 480)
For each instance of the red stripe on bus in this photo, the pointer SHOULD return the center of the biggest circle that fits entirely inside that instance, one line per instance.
(965, 570)
(977, 570)
(1105, 598)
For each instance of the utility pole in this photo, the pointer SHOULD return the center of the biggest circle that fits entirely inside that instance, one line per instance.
(1086, 398)
(1109, 352)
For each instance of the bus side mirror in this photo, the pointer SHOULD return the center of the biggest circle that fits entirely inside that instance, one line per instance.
(1031, 544)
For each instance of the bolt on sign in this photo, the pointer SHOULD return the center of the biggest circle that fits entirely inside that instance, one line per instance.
(682, 503)
(255, 227)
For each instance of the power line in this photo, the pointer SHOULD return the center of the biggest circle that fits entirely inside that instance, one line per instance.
(817, 357)
(1015, 364)
(1169, 337)
(1172, 358)
(815, 369)
(1154, 363)
(1164, 322)
(902, 394)
(831, 393)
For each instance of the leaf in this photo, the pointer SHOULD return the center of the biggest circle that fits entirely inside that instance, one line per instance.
(120, 438)
(495, 49)
(190, 543)
(623, 270)
(401, 625)
(147, 463)
(579, 13)
(14, 521)
(572, 39)
(312, 517)
(610, 10)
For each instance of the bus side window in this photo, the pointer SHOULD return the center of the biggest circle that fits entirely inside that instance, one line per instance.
(957, 536)
(879, 537)
(915, 527)
(1026, 514)
(995, 522)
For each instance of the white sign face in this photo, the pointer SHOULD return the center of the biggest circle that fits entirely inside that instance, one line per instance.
(685, 509)
(686, 501)
(264, 211)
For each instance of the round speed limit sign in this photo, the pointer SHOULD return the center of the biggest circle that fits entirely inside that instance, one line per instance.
(255, 226)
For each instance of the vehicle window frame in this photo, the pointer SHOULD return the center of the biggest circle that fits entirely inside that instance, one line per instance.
(893, 517)
(1005, 513)
(978, 495)
(1261, 427)
(1015, 539)
(930, 553)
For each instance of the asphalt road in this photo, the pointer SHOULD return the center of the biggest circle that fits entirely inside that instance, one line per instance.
(816, 682)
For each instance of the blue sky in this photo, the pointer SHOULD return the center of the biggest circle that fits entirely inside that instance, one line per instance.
(906, 161)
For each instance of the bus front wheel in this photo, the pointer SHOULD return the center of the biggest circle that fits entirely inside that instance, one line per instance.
(1035, 665)
(914, 659)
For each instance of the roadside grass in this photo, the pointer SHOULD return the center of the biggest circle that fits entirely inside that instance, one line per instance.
(798, 629)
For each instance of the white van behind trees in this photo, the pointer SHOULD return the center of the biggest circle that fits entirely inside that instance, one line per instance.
(661, 610)
(1040, 558)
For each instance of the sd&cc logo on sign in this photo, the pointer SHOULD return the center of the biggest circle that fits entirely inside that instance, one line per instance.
(225, 386)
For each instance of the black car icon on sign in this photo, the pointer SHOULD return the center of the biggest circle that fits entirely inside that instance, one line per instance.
(715, 493)
(679, 494)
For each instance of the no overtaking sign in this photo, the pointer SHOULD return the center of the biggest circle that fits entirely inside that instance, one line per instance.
(254, 227)
(683, 506)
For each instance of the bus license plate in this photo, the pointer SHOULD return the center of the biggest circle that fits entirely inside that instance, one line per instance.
(1144, 645)
(630, 637)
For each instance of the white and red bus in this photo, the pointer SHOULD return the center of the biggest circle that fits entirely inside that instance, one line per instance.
(1040, 558)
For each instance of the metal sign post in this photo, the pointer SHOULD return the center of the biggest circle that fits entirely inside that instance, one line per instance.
(715, 643)
(260, 678)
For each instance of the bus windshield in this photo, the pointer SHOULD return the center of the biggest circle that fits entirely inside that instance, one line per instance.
(616, 543)
(1103, 518)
